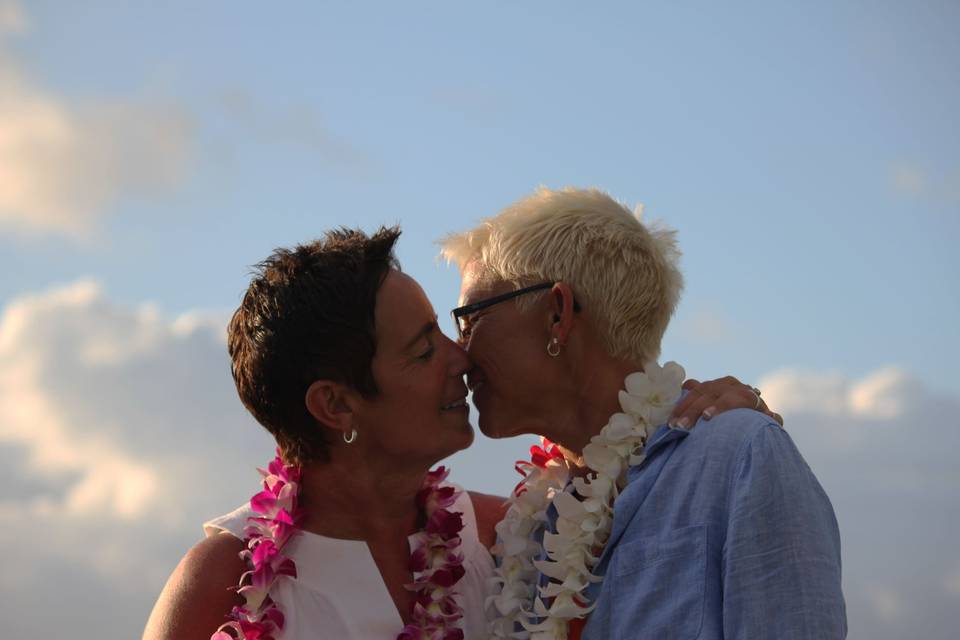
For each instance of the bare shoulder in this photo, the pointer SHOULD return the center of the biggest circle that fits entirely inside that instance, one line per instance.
(489, 510)
(198, 595)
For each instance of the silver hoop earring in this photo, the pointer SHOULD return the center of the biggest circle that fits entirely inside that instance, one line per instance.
(553, 348)
(353, 436)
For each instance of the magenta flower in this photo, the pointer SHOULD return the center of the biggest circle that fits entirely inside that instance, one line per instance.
(437, 564)
(448, 576)
(266, 536)
(446, 524)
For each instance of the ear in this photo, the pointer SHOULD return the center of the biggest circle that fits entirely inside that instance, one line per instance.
(561, 311)
(331, 404)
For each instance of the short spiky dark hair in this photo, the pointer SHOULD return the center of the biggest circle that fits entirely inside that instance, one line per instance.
(309, 314)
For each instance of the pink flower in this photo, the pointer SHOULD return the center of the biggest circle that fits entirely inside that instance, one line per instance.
(445, 523)
(433, 498)
(448, 576)
(409, 632)
(264, 502)
(266, 536)
(284, 526)
(435, 477)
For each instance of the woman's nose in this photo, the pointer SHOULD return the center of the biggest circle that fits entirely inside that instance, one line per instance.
(460, 361)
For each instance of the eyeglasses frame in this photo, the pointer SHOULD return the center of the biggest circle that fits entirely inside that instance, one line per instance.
(480, 305)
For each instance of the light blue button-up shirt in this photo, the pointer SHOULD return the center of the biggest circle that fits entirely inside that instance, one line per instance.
(722, 532)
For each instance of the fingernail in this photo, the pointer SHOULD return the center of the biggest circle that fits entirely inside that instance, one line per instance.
(684, 423)
(709, 412)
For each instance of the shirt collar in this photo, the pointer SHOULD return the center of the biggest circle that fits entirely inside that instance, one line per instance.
(663, 436)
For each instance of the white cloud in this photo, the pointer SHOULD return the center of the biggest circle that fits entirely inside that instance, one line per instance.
(707, 326)
(12, 18)
(298, 126)
(883, 394)
(940, 186)
(65, 163)
(120, 432)
(887, 603)
(884, 447)
(909, 179)
(951, 583)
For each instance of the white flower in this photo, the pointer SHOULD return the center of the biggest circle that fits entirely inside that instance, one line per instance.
(651, 394)
(603, 459)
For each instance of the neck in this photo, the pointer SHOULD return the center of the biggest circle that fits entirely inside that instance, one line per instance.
(350, 500)
(596, 400)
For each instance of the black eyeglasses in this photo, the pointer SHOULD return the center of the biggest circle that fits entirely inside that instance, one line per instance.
(461, 315)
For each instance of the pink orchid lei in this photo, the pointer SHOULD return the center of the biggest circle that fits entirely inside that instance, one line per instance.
(266, 536)
(437, 564)
(436, 561)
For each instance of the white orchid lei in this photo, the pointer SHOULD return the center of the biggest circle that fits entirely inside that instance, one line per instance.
(520, 608)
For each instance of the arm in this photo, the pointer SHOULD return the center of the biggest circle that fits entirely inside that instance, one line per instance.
(781, 559)
(198, 596)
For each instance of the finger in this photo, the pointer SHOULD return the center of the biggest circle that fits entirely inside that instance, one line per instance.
(690, 384)
(763, 408)
(697, 390)
(690, 414)
(693, 394)
(740, 397)
(769, 412)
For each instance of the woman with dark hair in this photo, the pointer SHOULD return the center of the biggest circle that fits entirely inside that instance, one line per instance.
(339, 355)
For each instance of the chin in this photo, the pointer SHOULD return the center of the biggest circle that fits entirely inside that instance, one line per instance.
(465, 436)
(463, 440)
(491, 429)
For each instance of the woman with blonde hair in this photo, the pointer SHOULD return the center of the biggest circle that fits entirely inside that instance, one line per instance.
(627, 525)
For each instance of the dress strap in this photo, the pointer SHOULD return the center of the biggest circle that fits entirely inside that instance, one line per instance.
(233, 522)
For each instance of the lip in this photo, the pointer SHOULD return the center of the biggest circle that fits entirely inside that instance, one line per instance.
(460, 403)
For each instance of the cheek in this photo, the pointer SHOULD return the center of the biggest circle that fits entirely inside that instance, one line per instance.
(513, 360)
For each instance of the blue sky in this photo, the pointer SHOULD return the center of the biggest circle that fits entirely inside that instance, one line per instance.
(807, 155)
(805, 152)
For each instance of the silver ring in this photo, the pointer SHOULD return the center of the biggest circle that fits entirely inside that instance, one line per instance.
(756, 392)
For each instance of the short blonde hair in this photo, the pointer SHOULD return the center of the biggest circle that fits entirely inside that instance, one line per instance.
(626, 273)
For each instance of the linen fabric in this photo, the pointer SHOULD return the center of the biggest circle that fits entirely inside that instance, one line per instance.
(723, 532)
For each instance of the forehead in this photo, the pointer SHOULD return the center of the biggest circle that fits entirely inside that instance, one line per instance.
(477, 284)
(402, 309)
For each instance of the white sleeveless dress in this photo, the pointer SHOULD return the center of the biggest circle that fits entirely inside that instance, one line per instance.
(338, 593)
